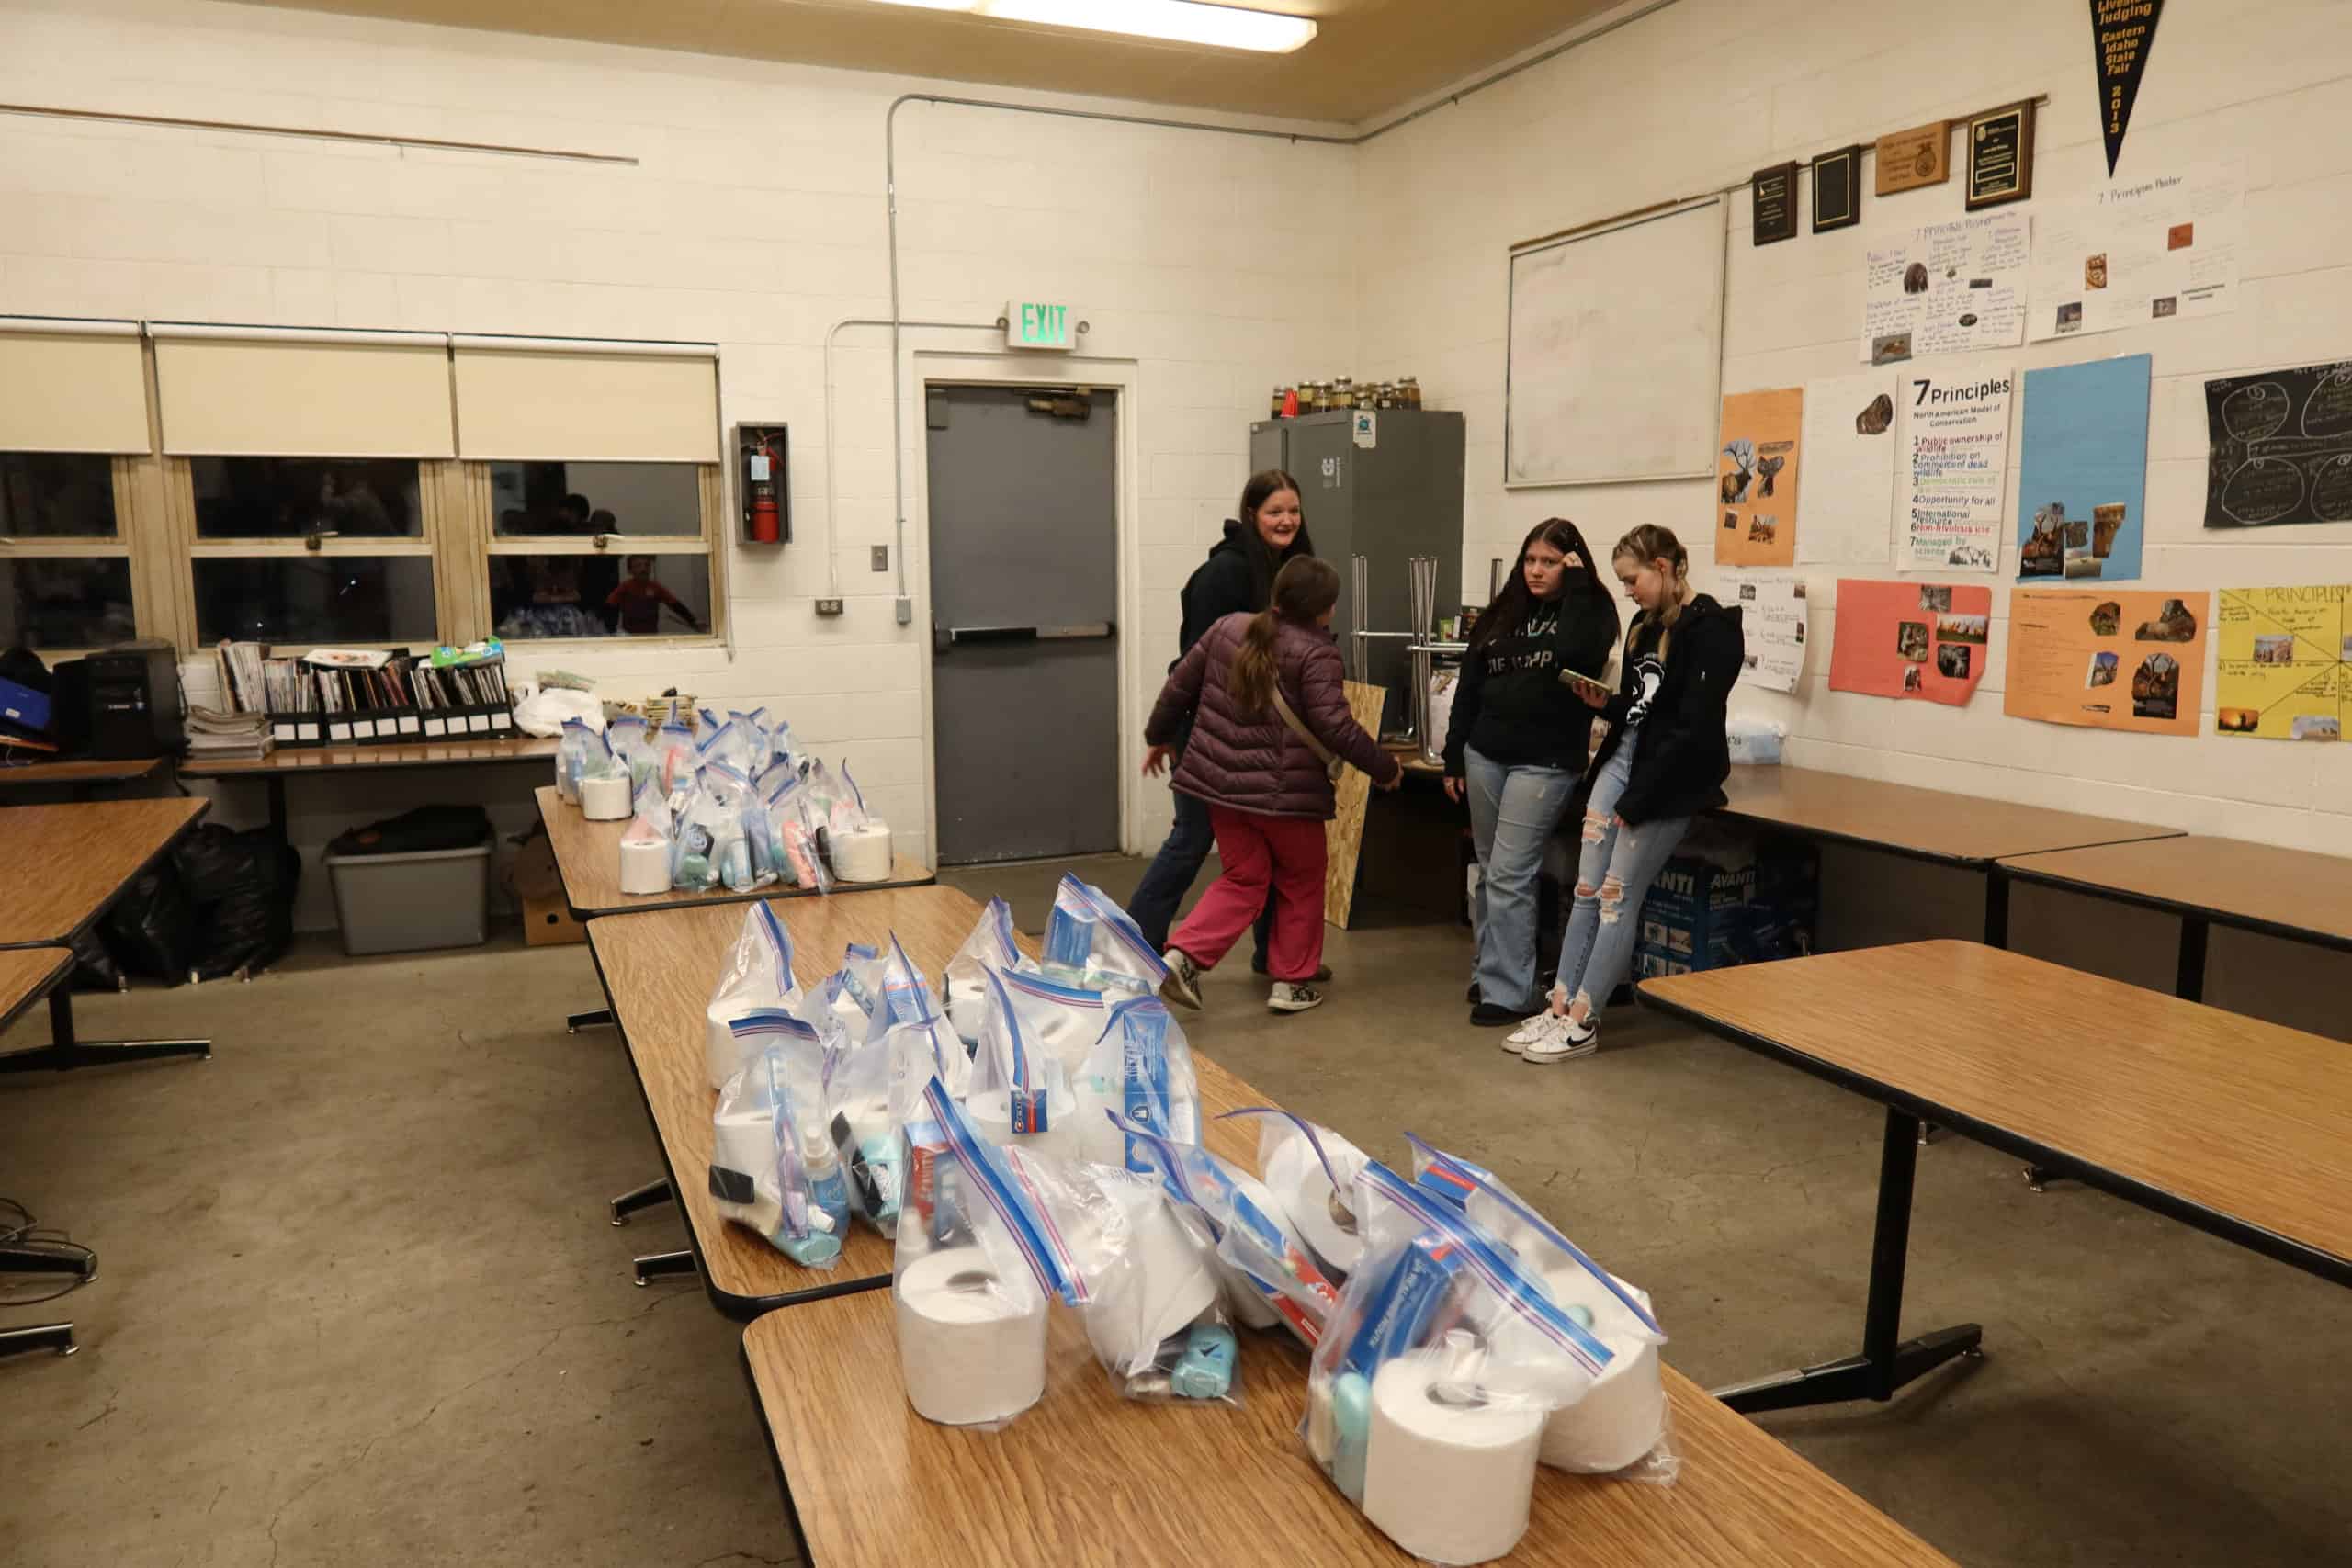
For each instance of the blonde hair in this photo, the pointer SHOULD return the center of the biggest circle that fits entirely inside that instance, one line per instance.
(1651, 543)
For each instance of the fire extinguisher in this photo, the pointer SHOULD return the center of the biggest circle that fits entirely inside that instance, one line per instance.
(763, 478)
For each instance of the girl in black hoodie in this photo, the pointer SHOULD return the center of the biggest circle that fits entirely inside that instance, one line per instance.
(1665, 761)
(1517, 742)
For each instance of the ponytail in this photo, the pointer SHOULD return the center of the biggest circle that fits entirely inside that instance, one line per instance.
(1650, 543)
(1303, 589)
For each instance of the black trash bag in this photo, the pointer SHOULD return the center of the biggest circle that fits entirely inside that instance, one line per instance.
(426, 827)
(152, 929)
(94, 967)
(243, 884)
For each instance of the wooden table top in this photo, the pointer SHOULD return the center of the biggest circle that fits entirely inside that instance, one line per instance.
(1086, 1476)
(78, 770)
(68, 862)
(658, 967)
(2292, 893)
(415, 754)
(26, 975)
(1927, 824)
(2227, 1123)
(588, 858)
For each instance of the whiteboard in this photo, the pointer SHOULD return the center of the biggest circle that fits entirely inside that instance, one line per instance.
(1615, 365)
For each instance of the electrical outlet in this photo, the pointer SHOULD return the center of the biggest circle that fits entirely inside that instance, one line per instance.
(828, 606)
(906, 611)
(881, 557)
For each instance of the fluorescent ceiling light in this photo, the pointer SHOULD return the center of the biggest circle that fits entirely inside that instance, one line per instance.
(1176, 21)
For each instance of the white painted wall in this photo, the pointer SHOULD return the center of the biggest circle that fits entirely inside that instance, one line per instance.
(1701, 92)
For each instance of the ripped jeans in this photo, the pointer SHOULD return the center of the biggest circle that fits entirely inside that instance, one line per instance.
(1615, 871)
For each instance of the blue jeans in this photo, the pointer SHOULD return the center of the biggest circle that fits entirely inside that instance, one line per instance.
(1613, 875)
(1512, 813)
(1170, 876)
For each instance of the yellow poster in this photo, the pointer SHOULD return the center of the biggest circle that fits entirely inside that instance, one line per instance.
(2284, 669)
(2113, 658)
(1756, 479)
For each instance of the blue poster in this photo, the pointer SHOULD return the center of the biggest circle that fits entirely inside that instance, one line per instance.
(2083, 477)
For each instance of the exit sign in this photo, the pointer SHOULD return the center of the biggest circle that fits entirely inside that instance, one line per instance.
(1034, 324)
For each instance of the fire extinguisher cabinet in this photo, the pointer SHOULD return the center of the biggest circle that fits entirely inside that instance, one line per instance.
(763, 482)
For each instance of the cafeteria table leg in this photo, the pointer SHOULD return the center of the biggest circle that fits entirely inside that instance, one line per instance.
(1884, 1365)
(576, 1022)
(57, 1337)
(654, 1265)
(65, 1053)
(40, 1257)
(2189, 974)
(654, 1191)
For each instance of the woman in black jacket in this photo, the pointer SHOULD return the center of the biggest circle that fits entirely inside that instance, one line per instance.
(1518, 741)
(1665, 761)
(1237, 579)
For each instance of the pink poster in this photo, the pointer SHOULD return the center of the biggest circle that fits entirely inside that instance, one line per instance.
(1910, 639)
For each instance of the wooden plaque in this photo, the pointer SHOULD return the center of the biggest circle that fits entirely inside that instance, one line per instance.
(1838, 189)
(1774, 191)
(1909, 158)
(2000, 156)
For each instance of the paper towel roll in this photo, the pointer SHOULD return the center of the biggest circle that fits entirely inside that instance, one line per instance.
(863, 854)
(1621, 1416)
(991, 1115)
(1448, 1481)
(971, 1345)
(603, 800)
(1303, 1189)
(1163, 1283)
(645, 865)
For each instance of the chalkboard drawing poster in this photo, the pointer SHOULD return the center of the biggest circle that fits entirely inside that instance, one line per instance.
(1952, 288)
(2279, 448)
(1848, 442)
(2284, 665)
(1910, 639)
(1756, 479)
(2110, 658)
(1956, 434)
(2083, 475)
(2152, 250)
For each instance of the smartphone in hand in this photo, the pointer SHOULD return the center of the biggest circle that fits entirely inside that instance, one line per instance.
(1592, 691)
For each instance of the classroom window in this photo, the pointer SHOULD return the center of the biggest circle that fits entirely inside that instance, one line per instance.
(290, 498)
(51, 603)
(607, 593)
(586, 499)
(56, 495)
(306, 599)
(65, 569)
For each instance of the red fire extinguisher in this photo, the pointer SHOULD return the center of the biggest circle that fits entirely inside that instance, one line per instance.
(764, 474)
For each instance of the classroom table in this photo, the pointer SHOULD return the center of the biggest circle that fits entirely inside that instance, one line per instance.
(27, 974)
(658, 970)
(304, 761)
(81, 774)
(1086, 1476)
(1932, 825)
(2117, 1087)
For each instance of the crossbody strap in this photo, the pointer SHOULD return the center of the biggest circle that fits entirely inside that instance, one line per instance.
(1298, 726)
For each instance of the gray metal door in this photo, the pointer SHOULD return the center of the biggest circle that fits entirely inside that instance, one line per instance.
(1024, 670)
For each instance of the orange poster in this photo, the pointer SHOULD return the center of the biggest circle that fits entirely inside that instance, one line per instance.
(2109, 658)
(1755, 483)
(1910, 639)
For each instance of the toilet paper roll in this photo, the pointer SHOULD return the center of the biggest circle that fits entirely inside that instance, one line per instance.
(1303, 1190)
(967, 1008)
(863, 854)
(1100, 1142)
(1622, 1415)
(1162, 1282)
(992, 1114)
(971, 1345)
(603, 800)
(645, 865)
(1447, 1481)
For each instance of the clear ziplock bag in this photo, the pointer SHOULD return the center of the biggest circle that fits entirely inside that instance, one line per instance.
(872, 1093)
(1267, 1276)
(990, 946)
(1090, 941)
(1139, 1069)
(757, 974)
(773, 1166)
(977, 1259)
(1620, 1426)
(1057, 1021)
(674, 756)
(1312, 1171)
(572, 749)
(730, 852)
(854, 992)
(627, 736)
(1019, 1094)
(1427, 1401)
(692, 840)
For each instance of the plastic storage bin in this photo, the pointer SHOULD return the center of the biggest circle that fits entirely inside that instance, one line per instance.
(400, 903)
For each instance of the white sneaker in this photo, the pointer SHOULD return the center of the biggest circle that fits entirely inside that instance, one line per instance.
(1293, 996)
(1183, 983)
(1568, 1040)
(1544, 1026)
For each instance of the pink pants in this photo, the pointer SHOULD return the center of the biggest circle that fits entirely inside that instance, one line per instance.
(1283, 854)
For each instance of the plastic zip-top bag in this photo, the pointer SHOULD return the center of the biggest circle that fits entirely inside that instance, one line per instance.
(1020, 1092)
(1619, 1426)
(757, 974)
(1312, 1172)
(692, 840)
(976, 1258)
(1139, 1069)
(854, 992)
(1090, 940)
(1266, 1272)
(730, 853)
(990, 946)
(572, 749)
(1428, 1392)
(772, 1164)
(627, 737)
(871, 1094)
(1056, 1019)
(675, 757)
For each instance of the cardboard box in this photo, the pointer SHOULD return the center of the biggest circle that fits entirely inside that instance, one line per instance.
(538, 888)
(547, 922)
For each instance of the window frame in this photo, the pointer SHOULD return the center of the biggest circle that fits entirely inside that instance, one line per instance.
(130, 541)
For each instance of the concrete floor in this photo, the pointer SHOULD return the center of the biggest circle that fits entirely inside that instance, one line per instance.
(359, 1304)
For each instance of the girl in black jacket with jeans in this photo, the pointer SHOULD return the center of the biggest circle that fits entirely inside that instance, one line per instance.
(1663, 762)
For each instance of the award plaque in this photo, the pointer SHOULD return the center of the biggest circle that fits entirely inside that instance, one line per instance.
(2000, 156)
(1838, 189)
(1909, 158)
(1775, 193)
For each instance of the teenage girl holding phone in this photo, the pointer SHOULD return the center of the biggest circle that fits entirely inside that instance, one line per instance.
(1664, 761)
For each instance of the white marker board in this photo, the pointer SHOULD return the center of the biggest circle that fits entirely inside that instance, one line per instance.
(1616, 352)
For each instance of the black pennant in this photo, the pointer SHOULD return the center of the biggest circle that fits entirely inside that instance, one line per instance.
(2122, 34)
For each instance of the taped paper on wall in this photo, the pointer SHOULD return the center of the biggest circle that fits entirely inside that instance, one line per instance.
(2111, 660)
(1756, 477)
(2083, 475)
(2284, 663)
(1772, 606)
(1910, 639)
(1957, 437)
(1846, 516)
(2151, 250)
(1954, 288)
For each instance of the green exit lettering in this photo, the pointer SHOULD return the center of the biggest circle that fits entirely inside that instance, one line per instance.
(1044, 324)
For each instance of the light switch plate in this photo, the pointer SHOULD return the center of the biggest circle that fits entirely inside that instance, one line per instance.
(828, 606)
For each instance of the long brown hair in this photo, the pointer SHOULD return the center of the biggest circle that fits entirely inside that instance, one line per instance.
(1646, 544)
(1303, 589)
(1510, 611)
(1263, 563)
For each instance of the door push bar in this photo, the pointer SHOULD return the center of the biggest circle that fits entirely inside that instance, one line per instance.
(942, 638)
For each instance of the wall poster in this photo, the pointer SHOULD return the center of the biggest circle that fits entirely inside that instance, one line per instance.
(1957, 437)
(1946, 289)
(2083, 475)
(1772, 608)
(1756, 477)
(2279, 448)
(2284, 666)
(2114, 660)
(2149, 251)
(1849, 439)
(1910, 639)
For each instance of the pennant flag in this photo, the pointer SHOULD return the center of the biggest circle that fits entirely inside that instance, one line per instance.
(2121, 33)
